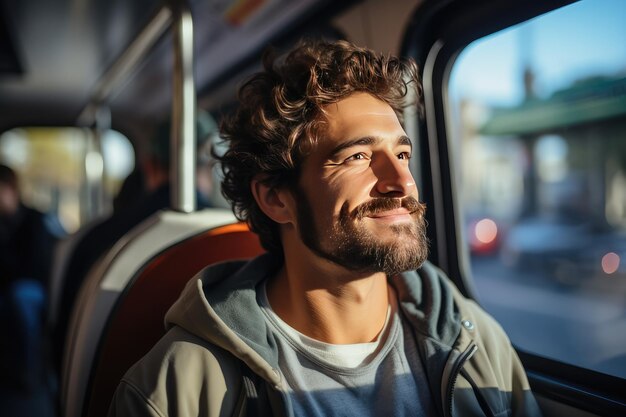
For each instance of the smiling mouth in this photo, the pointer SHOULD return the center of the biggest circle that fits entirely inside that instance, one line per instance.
(395, 214)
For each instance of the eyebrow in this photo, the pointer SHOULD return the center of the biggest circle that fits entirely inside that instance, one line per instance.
(367, 140)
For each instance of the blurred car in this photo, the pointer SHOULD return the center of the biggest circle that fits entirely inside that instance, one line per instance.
(566, 251)
(484, 236)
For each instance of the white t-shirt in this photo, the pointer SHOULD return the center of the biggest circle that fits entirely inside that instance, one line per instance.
(381, 378)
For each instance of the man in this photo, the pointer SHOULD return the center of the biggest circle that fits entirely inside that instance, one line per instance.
(329, 322)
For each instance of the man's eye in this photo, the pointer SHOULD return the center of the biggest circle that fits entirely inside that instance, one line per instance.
(404, 155)
(356, 157)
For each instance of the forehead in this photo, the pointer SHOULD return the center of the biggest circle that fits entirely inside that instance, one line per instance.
(361, 115)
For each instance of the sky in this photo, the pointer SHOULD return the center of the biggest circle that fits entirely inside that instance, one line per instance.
(582, 39)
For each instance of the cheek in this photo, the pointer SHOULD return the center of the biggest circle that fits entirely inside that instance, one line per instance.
(330, 190)
(324, 200)
(345, 199)
(351, 190)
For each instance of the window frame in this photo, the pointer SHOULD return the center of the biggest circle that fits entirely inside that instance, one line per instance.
(436, 35)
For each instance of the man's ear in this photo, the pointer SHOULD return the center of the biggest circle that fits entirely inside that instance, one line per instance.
(276, 203)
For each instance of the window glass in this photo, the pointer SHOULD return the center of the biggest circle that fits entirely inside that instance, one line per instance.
(67, 172)
(537, 114)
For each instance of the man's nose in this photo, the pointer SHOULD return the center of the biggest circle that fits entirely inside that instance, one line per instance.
(394, 176)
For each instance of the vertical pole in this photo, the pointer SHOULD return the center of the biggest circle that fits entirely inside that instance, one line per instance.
(103, 125)
(183, 135)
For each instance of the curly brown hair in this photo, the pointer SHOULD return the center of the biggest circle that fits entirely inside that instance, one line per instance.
(281, 116)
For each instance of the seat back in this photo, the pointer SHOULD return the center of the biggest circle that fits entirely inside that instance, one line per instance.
(136, 322)
(111, 277)
(60, 260)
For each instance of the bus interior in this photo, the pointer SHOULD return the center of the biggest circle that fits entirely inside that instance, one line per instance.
(520, 157)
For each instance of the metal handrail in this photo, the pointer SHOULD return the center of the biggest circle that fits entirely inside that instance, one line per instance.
(177, 16)
(126, 63)
(183, 144)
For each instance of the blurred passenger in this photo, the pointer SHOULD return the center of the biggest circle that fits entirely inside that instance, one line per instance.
(129, 212)
(25, 242)
(132, 190)
(26, 246)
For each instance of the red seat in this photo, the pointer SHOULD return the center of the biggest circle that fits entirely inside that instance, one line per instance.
(136, 322)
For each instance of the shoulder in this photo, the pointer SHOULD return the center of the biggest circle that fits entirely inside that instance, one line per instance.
(495, 363)
(181, 375)
(476, 323)
(472, 315)
(483, 327)
(494, 353)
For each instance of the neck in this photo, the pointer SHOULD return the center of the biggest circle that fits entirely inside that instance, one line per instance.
(329, 303)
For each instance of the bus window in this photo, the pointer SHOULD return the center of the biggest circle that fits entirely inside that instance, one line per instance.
(538, 119)
(64, 171)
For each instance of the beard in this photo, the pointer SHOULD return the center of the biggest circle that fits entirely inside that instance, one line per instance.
(349, 243)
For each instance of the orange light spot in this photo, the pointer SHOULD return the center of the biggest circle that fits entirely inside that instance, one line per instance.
(486, 231)
(610, 262)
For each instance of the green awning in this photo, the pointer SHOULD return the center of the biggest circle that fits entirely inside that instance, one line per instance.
(585, 102)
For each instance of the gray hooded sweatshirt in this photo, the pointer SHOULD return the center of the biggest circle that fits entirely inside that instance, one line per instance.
(219, 356)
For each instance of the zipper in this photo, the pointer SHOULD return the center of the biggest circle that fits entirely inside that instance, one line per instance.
(479, 397)
(456, 367)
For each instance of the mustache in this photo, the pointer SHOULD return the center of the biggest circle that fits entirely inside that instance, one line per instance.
(382, 204)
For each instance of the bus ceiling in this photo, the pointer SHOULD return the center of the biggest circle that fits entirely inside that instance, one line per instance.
(73, 63)
(56, 54)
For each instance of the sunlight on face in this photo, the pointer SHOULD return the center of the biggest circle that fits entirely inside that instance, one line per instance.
(357, 200)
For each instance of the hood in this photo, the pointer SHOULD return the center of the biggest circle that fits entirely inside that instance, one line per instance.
(427, 301)
(220, 306)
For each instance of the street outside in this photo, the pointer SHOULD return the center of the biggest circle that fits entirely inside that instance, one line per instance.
(583, 324)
